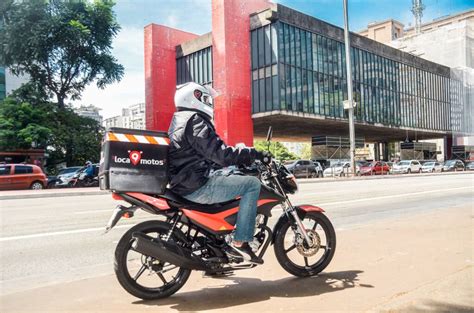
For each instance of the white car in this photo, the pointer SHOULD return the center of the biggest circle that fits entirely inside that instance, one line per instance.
(431, 167)
(406, 167)
(341, 169)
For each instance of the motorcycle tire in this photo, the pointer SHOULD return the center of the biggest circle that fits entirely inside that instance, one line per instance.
(304, 271)
(121, 269)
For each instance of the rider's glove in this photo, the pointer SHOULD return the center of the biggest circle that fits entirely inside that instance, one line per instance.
(265, 156)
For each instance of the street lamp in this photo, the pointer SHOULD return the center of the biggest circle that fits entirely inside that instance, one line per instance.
(349, 104)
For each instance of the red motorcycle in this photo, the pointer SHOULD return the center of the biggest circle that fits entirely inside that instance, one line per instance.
(154, 259)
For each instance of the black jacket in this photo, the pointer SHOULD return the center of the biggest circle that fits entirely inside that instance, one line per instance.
(195, 149)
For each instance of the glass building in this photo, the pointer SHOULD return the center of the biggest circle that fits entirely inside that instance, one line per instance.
(302, 70)
(298, 74)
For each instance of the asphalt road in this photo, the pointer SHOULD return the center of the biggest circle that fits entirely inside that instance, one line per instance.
(49, 241)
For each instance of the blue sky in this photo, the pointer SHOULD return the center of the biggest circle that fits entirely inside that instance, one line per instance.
(195, 16)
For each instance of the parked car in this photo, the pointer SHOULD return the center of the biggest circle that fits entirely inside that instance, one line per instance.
(22, 176)
(305, 168)
(406, 167)
(430, 167)
(342, 169)
(51, 181)
(65, 175)
(453, 165)
(470, 166)
(337, 169)
(374, 168)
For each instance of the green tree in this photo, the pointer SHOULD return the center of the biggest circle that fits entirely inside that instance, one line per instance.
(63, 45)
(279, 151)
(22, 125)
(27, 118)
(306, 152)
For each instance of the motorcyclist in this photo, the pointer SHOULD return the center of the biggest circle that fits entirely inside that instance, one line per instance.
(197, 156)
(89, 171)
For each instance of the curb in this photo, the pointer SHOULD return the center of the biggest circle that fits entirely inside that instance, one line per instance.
(52, 195)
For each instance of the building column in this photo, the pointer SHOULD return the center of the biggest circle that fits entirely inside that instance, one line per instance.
(160, 73)
(448, 147)
(377, 151)
(231, 68)
(385, 151)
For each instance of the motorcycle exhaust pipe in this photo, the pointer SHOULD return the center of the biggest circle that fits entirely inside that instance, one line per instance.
(166, 252)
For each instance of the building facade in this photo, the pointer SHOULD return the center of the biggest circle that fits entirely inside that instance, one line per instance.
(290, 73)
(448, 40)
(132, 117)
(89, 111)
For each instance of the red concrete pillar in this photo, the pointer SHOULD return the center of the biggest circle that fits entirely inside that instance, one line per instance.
(160, 73)
(231, 67)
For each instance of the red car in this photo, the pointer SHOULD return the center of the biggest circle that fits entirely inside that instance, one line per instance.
(21, 176)
(374, 168)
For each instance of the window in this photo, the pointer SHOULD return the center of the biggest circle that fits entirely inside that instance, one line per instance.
(23, 169)
(5, 170)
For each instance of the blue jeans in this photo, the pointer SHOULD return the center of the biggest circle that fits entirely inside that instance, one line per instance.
(221, 188)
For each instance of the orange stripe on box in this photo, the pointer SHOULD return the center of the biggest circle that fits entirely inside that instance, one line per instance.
(131, 138)
(111, 137)
(151, 140)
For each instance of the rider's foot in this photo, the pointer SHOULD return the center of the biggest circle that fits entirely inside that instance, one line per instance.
(246, 252)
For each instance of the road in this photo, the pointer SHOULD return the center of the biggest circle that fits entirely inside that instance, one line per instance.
(59, 241)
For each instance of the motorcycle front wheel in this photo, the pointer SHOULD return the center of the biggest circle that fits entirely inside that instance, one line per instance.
(143, 276)
(296, 256)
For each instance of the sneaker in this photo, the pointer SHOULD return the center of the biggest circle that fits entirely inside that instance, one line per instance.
(246, 252)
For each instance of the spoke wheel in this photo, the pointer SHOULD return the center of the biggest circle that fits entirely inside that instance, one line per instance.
(143, 276)
(296, 256)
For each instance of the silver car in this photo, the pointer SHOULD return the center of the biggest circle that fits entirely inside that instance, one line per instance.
(431, 167)
(406, 167)
(65, 175)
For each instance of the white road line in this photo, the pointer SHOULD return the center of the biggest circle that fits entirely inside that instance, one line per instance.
(59, 233)
(394, 196)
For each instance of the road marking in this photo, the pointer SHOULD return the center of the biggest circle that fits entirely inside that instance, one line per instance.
(393, 196)
(59, 233)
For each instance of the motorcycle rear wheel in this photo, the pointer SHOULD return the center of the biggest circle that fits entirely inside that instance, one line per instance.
(132, 284)
(285, 246)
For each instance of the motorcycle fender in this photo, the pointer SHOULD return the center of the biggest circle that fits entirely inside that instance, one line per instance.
(301, 210)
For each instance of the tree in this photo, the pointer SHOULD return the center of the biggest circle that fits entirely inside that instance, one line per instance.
(27, 118)
(62, 45)
(22, 125)
(306, 152)
(279, 151)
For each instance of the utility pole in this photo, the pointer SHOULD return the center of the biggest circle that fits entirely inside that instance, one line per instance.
(349, 104)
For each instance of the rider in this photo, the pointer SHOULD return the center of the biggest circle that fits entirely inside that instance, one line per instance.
(197, 156)
(89, 171)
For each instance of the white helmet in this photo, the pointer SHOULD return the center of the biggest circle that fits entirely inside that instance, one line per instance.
(195, 97)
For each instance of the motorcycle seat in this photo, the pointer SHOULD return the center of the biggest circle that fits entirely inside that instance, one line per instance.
(176, 200)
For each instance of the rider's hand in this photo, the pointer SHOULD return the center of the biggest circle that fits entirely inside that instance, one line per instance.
(265, 157)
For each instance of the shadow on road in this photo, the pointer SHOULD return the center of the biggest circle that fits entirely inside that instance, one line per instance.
(250, 290)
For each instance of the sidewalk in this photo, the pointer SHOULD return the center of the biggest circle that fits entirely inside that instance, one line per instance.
(423, 263)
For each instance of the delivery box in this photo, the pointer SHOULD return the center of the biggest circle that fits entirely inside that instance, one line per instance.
(134, 160)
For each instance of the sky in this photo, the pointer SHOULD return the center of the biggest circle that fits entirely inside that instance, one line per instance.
(195, 16)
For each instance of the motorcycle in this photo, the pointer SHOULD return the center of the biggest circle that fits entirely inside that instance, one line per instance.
(193, 236)
(81, 179)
